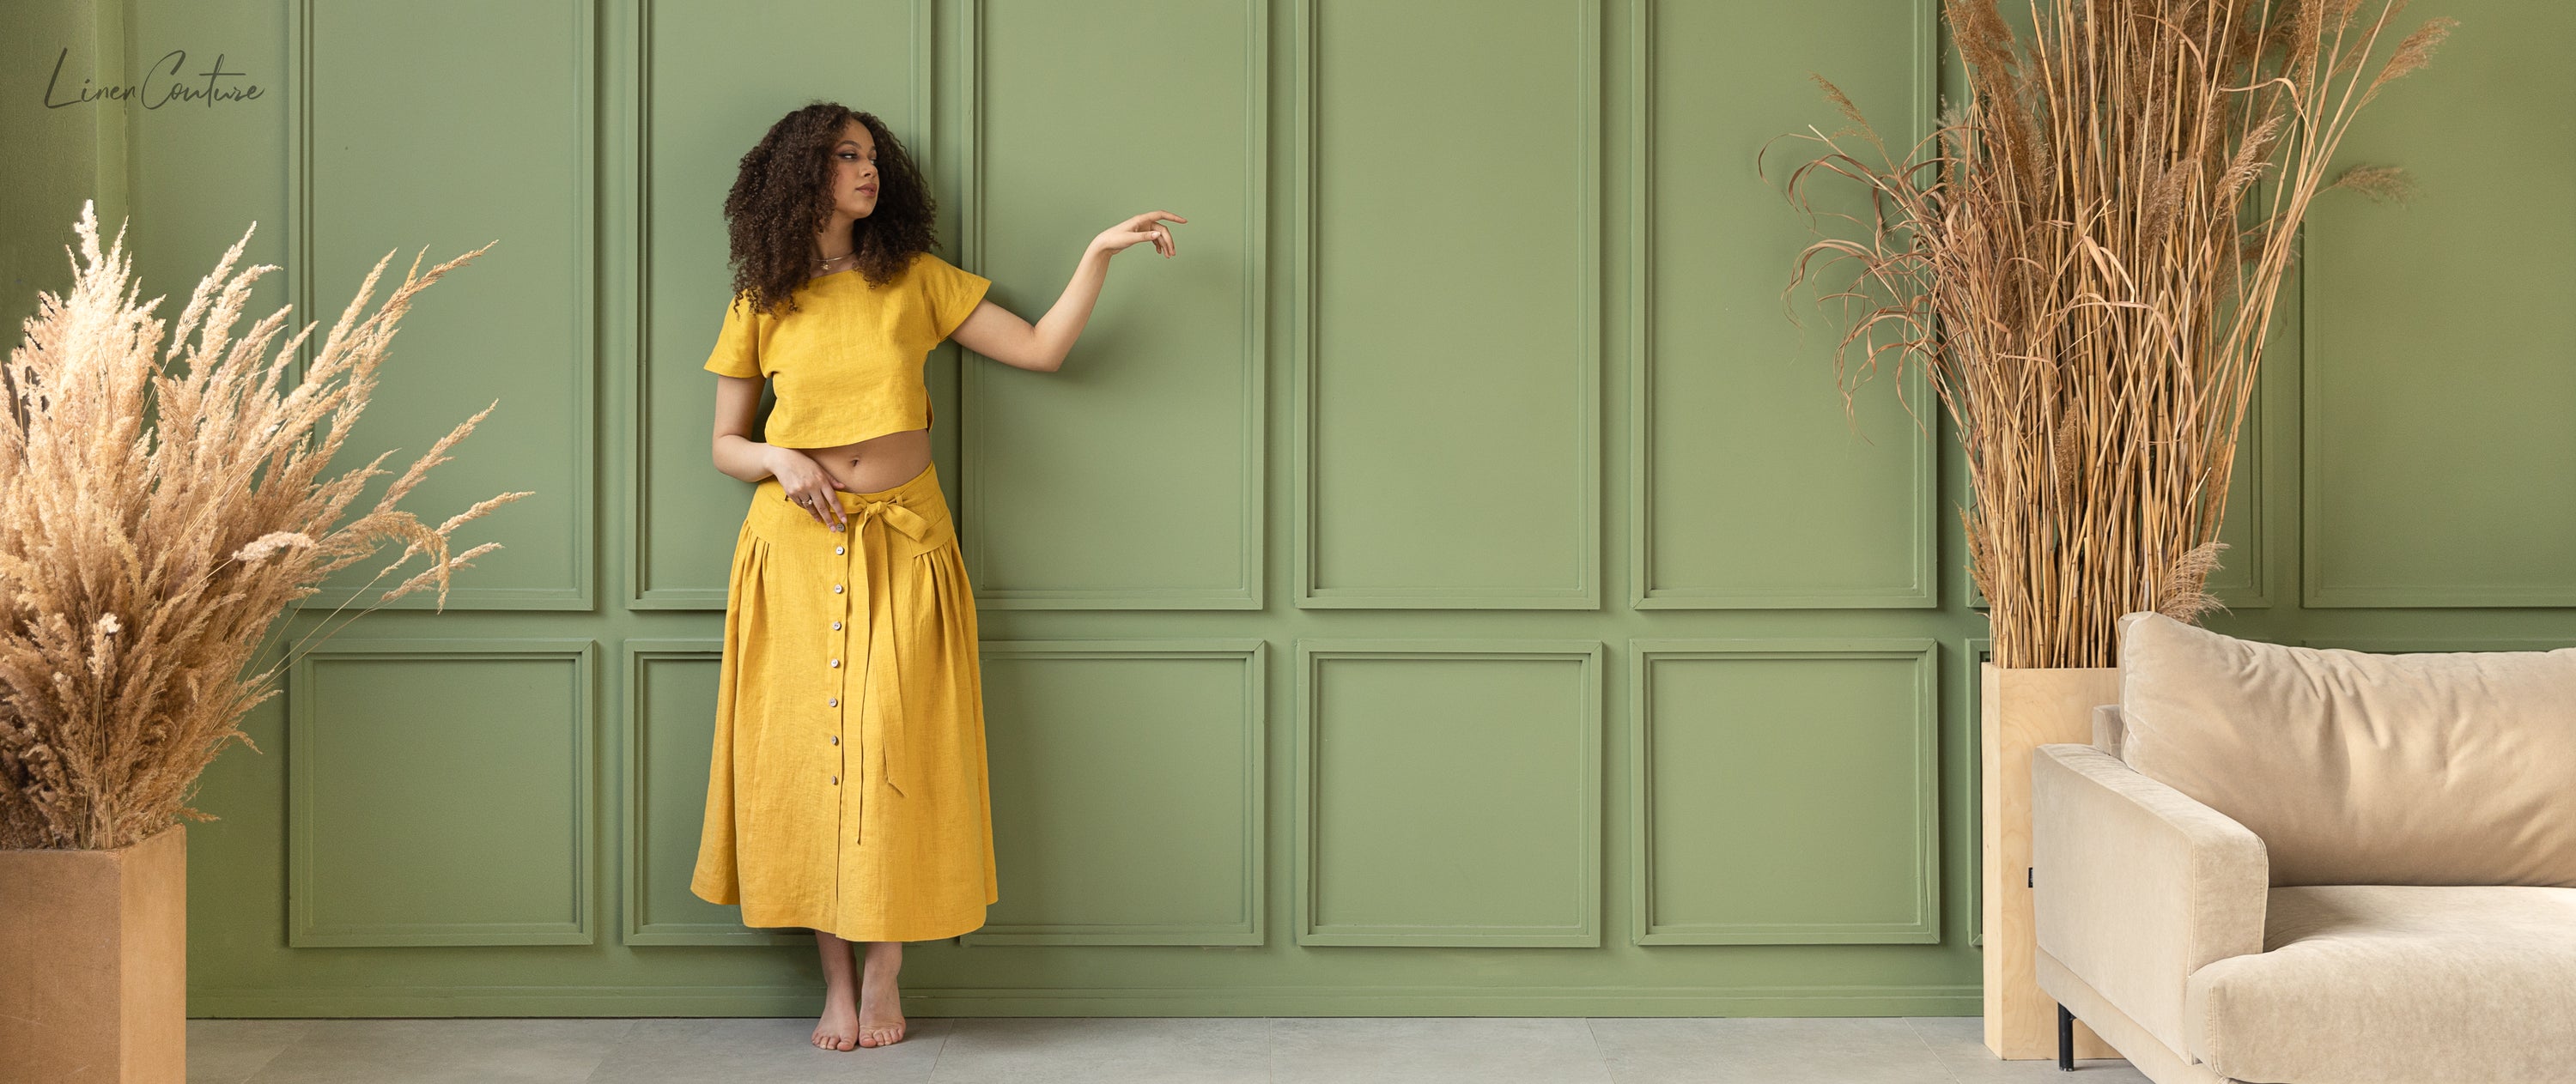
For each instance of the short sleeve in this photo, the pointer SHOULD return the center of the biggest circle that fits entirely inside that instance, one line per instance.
(737, 351)
(953, 292)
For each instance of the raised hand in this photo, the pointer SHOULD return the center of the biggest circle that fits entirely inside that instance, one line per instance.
(1145, 227)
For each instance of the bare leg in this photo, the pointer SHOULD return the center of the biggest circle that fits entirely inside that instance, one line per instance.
(839, 1028)
(880, 1002)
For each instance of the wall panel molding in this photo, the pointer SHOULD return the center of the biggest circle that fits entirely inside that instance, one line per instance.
(1755, 593)
(978, 380)
(1581, 588)
(571, 432)
(1975, 652)
(637, 922)
(1922, 837)
(309, 924)
(1578, 868)
(682, 359)
(1247, 768)
(2435, 337)
(1266, 999)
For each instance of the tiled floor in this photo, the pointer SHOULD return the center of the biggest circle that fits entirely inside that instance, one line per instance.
(1067, 1050)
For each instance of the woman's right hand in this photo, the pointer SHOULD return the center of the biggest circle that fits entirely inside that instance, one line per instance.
(808, 485)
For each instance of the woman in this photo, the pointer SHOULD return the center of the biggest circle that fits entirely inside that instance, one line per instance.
(846, 792)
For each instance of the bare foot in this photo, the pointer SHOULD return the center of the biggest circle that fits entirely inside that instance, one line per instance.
(880, 1017)
(839, 1028)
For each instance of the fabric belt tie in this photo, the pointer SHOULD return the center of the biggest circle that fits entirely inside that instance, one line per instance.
(877, 568)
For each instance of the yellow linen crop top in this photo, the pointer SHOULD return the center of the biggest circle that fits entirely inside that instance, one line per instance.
(847, 364)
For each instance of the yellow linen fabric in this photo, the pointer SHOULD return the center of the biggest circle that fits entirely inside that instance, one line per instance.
(846, 365)
(847, 789)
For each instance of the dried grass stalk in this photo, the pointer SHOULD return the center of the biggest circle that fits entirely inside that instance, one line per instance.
(2085, 264)
(141, 568)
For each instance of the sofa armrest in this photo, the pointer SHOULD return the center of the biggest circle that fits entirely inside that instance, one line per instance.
(2110, 729)
(2135, 885)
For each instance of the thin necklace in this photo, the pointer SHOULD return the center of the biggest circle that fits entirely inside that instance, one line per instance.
(826, 261)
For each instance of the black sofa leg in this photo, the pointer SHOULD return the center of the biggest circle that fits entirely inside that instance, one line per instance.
(2065, 1040)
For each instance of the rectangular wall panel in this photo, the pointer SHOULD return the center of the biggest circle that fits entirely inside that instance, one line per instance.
(1751, 486)
(2441, 347)
(1141, 757)
(1131, 478)
(1785, 791)
(712, 82)
(2241, 578)
(1446, 425)
(439, 793)
(380, 166)
(670, 733)
(1448, 792)
(1975, 652)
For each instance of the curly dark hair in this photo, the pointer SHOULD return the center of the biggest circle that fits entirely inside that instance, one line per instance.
(781, 197)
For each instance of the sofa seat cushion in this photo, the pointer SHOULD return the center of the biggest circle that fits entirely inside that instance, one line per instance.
(2361, 984)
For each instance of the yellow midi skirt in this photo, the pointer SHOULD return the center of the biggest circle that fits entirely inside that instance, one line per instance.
(847, 791)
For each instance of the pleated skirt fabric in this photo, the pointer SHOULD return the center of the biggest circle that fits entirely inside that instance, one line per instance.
(847, 789)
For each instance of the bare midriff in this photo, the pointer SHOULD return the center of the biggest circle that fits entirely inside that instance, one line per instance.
(878, 463)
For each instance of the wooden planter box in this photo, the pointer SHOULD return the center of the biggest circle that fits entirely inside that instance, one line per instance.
(94, 963)
(2025, 708)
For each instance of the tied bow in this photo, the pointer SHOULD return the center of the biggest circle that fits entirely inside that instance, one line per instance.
(893, 513)
(876, 565)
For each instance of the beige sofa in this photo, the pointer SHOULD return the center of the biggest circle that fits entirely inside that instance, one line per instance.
(2294, 865)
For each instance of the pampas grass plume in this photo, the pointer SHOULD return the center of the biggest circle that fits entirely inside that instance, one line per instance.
(141, 567)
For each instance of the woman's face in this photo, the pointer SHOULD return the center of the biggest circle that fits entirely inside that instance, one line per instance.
(854, 171)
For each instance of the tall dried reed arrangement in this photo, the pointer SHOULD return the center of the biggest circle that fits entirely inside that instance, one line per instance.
(141, 568)
(2085, 262)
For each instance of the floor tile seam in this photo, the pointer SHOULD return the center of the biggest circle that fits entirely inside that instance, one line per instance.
(1598, 1055)
(1938, 1061)
(300, 1034)
(945, 1034)
(619, 1040)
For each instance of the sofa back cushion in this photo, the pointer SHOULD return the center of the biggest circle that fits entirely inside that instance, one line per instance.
(2355, 768)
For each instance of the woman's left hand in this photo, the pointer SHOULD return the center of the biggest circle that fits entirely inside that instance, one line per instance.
(1145, 227)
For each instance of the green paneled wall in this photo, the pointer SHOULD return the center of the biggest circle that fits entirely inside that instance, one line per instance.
(1120, 764)
(1175, 354)
(2438, 443)
(1747, 486)
(1451, 586)
(1448, 792)
(509, 328)
(1444, 433)
(1834, 743)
